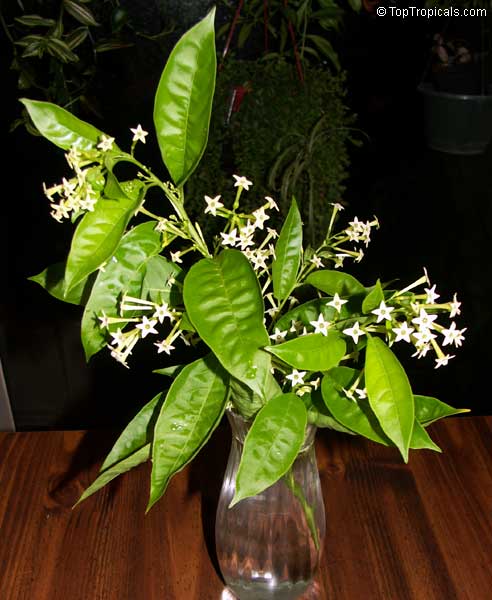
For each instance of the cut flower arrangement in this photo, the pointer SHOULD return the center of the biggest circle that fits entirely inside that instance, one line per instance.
(286, 337)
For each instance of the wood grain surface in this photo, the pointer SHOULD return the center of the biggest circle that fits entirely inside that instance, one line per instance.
(421, 531)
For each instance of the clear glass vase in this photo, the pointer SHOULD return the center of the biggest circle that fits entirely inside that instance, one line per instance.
(269, 546)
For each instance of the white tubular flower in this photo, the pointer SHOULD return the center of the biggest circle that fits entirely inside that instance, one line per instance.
(355, 332)
(362, 393)
(164, 346)
(242, 182)
(454, 307)
(260, 218)
(296, 377)
(403, 332)
(432, 296)
(117, 338)
(213, 204)
(106, 143)
(383, 312)
(317, 262)
(147, 326)
(139, 134)
(104, 321)
(272, 232)
(423, 337)
(278, 336)
(424, 320)
(176, 257)
(229, 239)
(320, 326)
(162, 312)
(443, 360)
(248, 229)
(453, 335)
(271, 203)
(337, 302)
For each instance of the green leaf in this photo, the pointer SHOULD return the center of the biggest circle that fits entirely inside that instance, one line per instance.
(183, 102)
(76, 37)
(158, 273)
(390, 394)
(421, 439)
(428, 409)
(137, 434)
(223, 301)
(193, 408)
(34, 21)
(288, 251)
(309, 311)
(373, 298)
(246, 402)
(60, 127)
(326, 48)
(314, 352)
(319, 415)
(124, 274)
(81, 13)
(60, 50)
(98, 234)
(135, 459)
(52, 279)
(335, 282)
(355, 414)
(271, 445)
(169, 371)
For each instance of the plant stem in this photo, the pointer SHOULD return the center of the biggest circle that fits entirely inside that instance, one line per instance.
(296, 489)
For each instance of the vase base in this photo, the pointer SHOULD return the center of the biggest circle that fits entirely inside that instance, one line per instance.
(300, 590)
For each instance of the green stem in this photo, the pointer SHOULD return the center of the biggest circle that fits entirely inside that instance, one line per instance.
(296, 489)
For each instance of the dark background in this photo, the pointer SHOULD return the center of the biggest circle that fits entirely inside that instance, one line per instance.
(434, 210)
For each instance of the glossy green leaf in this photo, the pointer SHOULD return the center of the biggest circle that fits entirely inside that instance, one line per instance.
(313, 352)
(421, 440)
(373, 298)
(318, 413)
(288, 252)
(335, 282)
(428, 409)
(355, 414)
(159, 272)
(34, 21)
(79, 12)
(326, 48)
(246, 402)
(271, 446)
(137, 434)
(192, 410)
(98, 234)
(183, 102)
(124, 273)
(223, 301)
(52, 279)
(309, 311)
(169, 371)
(390, 394)
(61, 127)
(140, 456)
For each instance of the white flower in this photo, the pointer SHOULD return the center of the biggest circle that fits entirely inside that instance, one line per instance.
(453, 335)
(320, 326)
(164, 346)
(337, 206)
(89, 202)
(273, 232)
(106, 143)
(295, 326)
(104, 321)
(139, 134)
(424, 320)
(147, 326)
(242, 182)
(258, 258)
(260, 217)
(443, 361)
(245, 240)
(271, 203)
(317, 262)
(248, 230)
(421, 350)
(383, 312)
(162, 312)
(213, 204)
(337, 302)
(229, 239)
(403, 332)
(315, 383)
(454, 307)
(362, 393)
(354, 332)
(423, 337)
(118, 338)
(431, 295)
(278, 336)
(296, 377)
(175, 257)
(171, 281)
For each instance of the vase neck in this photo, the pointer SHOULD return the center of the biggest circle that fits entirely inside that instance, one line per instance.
(240, 427)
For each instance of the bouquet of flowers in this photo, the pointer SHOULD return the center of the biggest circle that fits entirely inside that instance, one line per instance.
(284, 336)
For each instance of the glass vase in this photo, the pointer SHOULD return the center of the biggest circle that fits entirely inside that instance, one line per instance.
(269, 545)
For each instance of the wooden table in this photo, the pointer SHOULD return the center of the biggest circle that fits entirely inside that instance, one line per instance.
(394, 532)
